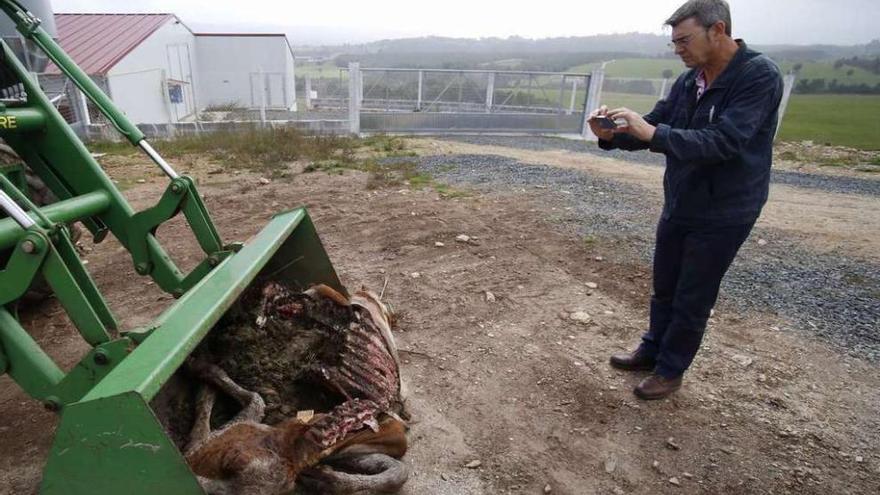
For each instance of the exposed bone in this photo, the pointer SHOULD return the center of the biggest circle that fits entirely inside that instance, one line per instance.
(359, 437)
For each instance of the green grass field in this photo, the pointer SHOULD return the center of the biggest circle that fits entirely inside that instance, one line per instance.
(842, 120)
(651, 68)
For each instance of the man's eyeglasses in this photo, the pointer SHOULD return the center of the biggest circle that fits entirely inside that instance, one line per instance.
(681, 41)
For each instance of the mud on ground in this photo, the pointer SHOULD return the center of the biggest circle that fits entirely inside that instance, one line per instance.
(499, 370)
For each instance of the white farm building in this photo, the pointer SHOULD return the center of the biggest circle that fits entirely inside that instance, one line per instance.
(159, 71)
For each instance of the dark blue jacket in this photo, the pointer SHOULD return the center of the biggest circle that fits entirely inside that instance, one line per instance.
(718, 149)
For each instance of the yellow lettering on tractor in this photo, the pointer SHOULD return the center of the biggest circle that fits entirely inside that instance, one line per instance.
(8, 122)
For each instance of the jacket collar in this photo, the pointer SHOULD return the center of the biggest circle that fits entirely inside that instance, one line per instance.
(730, 72)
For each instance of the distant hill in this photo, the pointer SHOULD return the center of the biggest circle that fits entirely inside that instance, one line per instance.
(633, 44)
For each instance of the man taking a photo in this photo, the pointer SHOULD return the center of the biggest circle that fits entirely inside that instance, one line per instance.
(716, 129)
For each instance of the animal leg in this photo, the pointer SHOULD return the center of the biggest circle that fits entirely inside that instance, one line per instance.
(373, 473)
(253, 407)
(202, 427)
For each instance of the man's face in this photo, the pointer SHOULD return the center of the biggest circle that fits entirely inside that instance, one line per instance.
(692, 42)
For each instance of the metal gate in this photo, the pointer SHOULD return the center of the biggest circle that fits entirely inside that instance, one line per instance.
(468, 101)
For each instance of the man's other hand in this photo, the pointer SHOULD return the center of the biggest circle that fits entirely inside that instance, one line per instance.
(635, 125)
(598, 130)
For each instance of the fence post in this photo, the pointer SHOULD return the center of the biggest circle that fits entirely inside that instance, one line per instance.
(788, 82)
(490, 92)
(354, 97)
(262, 86)
(574, 92)
(663, 88)
(419, 98)
(594, 97)
(308, 92)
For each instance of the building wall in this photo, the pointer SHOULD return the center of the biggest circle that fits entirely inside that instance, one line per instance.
(139, 83)
(246, 71)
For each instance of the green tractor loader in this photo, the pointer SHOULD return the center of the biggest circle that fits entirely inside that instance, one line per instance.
(108, 439)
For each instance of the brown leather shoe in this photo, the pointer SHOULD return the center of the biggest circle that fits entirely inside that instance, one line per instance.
(634, 361)
(657, 387)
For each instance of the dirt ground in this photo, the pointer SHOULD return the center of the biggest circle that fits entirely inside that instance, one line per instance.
(498, 370)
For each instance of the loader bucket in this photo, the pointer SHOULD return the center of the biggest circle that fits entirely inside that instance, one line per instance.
(111, 440)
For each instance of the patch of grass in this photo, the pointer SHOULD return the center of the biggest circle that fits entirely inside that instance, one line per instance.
(121, 148)
(448, 192)
(406, 174)
(384, 143)
(837, 162)
(840, 120)
(590, 240)
(261, 149)
(788, 155)
(874, 161)
(335, 167)
(419, 180)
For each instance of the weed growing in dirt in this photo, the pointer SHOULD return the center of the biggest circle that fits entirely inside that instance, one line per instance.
(122, 148)
(258, 149)
(384, 143)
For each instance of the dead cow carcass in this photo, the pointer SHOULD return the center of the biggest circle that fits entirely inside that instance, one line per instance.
(299, 387)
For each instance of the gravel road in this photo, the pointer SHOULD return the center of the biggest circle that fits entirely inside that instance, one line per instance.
(834, 297)
(836, 184)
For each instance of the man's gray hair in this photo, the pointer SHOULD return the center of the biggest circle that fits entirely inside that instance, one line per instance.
(706, 12)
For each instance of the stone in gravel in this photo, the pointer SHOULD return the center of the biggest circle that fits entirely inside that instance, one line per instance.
(265, 181)
(727, 450)
(687, 475)
(439, 244)
(599, 258)
(581, 317)
(444, 477)
(610, 464)
(744, 361)
(670, 444)
(463, 238)
(762, 242)
(656, 465)
(675, 481)
(860, 459)
(415, 274)
(548, 488)
(490, 298)
(474, 464)
(618, 490)
(592, 285)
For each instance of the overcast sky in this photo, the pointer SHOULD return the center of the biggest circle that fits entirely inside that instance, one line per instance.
(758, 21)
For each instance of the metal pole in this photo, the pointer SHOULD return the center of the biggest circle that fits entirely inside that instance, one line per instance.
(157, 159)
(788, 82)
(490, 92)
(663, 88)
(262, 86)
(574, 91)
(354, 98)
(13, 210)
(561, 95)
(594, 97)
(419, 98)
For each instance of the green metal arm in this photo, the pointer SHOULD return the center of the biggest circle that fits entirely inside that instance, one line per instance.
(72, 172)
(29, 26)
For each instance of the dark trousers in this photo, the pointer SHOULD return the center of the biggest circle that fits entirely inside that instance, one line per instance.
(689, 263)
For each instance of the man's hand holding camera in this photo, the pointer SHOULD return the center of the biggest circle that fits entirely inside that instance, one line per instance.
(634, 124)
